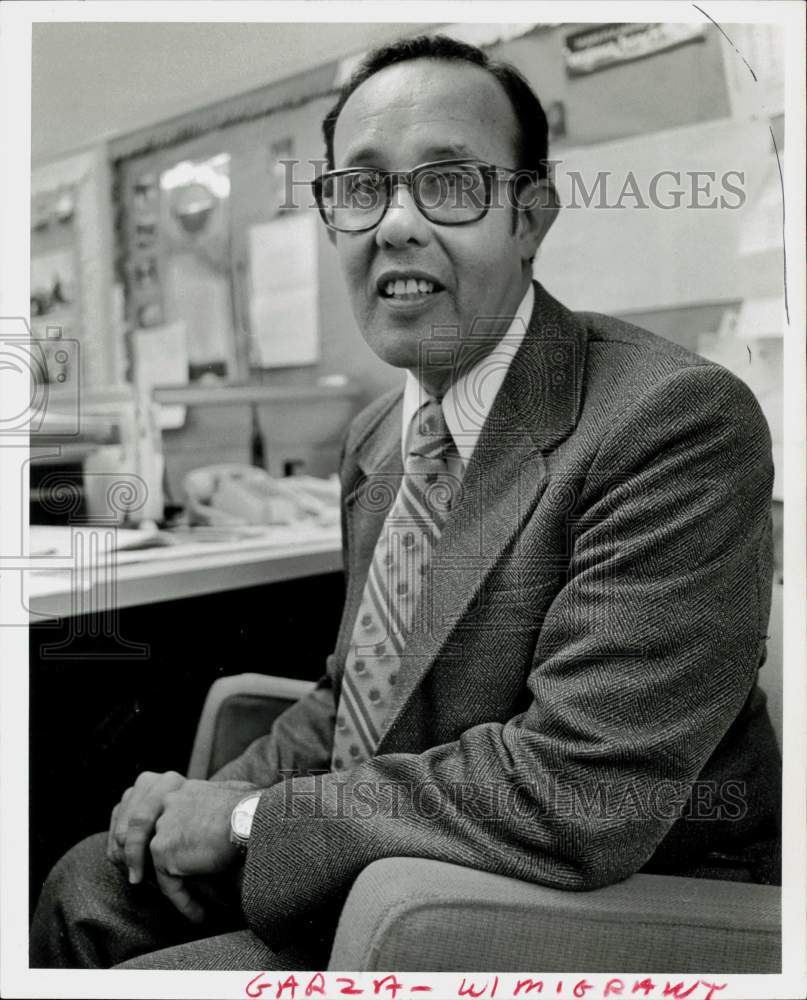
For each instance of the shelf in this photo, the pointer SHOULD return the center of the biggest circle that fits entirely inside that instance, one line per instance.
(227, 395)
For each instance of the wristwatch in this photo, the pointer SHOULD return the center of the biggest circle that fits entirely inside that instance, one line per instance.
(241, 820)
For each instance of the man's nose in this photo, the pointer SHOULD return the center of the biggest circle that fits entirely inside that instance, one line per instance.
(402, 224)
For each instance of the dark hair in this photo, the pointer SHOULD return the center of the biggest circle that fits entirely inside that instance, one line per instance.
(532, 146)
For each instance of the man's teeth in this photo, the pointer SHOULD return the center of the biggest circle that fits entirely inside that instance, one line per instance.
(411, 286)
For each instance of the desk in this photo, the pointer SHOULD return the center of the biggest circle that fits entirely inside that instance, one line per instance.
(118, 682)
(153, 576)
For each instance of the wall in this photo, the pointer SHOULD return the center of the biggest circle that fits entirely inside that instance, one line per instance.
(636, 115)
(679, 109)
(92, 81)
(671, 88)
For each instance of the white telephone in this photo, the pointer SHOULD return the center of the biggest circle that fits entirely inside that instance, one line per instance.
(231, 494)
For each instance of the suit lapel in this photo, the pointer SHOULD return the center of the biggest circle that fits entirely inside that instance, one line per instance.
(535, 409)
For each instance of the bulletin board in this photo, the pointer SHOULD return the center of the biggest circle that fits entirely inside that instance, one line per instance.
(311, 333)
(71, 270)
(638, 251)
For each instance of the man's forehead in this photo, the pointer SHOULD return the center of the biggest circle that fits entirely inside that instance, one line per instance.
(446, 106)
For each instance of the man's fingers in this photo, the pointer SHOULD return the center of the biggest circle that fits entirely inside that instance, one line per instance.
(174, 889)
(145, 796)
(121, 820)
(116, 838)
(138, 836)
(111, 843)
(148, 796)
(139, 815)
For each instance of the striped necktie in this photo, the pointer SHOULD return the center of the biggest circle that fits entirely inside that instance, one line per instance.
(397, 584)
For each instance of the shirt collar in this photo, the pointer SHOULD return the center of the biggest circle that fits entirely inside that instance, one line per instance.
(468, 401)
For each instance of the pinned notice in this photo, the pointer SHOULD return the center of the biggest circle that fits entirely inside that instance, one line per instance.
(283, 291)
(161, 359)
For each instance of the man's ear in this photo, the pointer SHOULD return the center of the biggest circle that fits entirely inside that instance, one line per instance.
(538, 206)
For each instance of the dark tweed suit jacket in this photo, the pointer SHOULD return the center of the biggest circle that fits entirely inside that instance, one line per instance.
(582, 704)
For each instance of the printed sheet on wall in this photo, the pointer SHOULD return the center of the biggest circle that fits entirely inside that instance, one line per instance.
(283, 292)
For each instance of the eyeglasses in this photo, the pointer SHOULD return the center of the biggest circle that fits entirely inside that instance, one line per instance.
(447, 192)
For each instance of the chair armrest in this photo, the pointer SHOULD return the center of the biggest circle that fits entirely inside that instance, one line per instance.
(412, 914)
(237, 710)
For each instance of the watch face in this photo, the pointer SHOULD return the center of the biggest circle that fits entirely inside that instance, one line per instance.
(241, 823)
(242, 817)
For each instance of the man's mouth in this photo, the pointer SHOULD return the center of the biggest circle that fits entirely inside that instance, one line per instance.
(407, 289)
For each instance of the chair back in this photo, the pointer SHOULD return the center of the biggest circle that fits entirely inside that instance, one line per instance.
(771, 674)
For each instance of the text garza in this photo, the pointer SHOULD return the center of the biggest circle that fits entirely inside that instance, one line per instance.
(321, 984)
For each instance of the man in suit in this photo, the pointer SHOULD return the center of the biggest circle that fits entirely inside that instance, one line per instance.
(557, 547)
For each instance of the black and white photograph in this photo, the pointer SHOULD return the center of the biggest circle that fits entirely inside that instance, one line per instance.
(402, 546)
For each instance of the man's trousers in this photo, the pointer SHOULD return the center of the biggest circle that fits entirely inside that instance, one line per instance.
(89, 917)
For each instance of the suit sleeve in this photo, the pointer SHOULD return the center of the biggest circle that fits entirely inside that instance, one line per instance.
(643, 659)
(299, 741)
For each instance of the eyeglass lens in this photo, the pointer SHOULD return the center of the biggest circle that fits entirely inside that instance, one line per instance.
(358, 199)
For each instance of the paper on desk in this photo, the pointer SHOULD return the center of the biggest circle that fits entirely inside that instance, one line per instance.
(289, 536)
(58, 540)
(58, 582)
(284, 291)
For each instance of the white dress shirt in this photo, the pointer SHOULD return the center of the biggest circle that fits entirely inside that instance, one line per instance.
(468, 401)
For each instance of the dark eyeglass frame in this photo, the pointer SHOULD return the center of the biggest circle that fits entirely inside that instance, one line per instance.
(392, 178)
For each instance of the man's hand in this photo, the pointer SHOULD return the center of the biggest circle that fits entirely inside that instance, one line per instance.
(192, 837)
(195, 833)
(134, 818)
